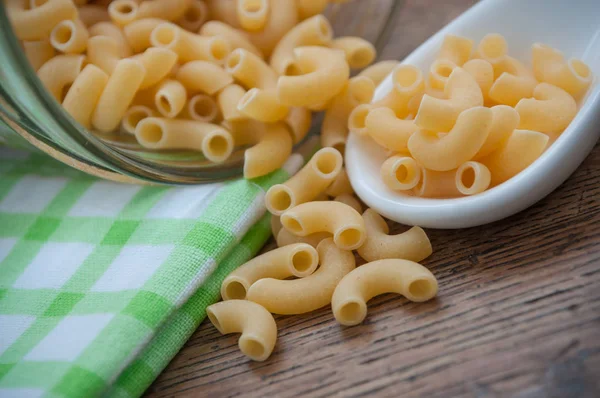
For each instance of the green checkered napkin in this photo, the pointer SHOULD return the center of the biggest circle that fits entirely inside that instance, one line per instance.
(101, 283)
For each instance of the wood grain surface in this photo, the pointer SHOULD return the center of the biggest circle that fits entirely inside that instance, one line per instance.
(518, 311)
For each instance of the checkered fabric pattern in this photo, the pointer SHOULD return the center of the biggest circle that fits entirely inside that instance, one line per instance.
(101, 283)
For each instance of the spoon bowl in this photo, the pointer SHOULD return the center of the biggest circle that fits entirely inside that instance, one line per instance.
(572, 27)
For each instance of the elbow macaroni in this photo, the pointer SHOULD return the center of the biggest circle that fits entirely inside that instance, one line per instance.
(228, 99)
(38, 52)
(270, 153)
(138, 33)
(340, 185)
(84, 94)
(379, 71)
(237, 38)
(400, 173)
(472, 178)
(203, 76)
(158, 63)
(69, 37)
(252, 14)
(60, 71)
(359, 52)
(262, 105)
(37, 23)
(389, 131)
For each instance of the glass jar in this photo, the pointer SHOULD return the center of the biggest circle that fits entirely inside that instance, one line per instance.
(30, 116)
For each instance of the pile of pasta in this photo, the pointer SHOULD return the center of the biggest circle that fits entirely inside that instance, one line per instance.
(479, 118)
(202, 75)
(314, 265)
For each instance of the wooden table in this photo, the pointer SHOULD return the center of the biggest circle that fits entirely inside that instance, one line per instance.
(518, 311)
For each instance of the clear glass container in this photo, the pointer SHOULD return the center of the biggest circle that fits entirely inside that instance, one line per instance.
(29, 116)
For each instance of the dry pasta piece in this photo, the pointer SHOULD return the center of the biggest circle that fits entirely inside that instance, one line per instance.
(134, 116)
(400, 173)
(103, 51)
(410, 279)
(357, 120)
(202, 108)
(190, 46)
(224, 11)
(456, 49)
(256, 324)
(339, 219)
(270, 153)
(326, 73)
(203, 76)
(359, 52)
(59, 72)
(472, 178)
(250, 70)
(252, 14)
(123, 12)
(298, 120)
(509, 89)
(522, 148)
(307, 294)
(228, 98)
(82, 97)
(282, 18)
(413, 245)
(504, 120)
(262, 105)
(458, 146)
(315, 31)
(138, 33)
(437, 184)
(244, 131)
(194, 17)
(307, 184)
(549, 66)
(37, 23)
(407, 82)
(340, 185)
(114, 32)
(440, 115)
(237, 38)
(158, 63)
(439, 72)
(483, 73)
(299, 260)
(379, 71)
(549, 111)
(349, 200)
(285, 237)
(309, 8)
(38, 52)
(91, 14)
(69, 37)
(170, 98)
(170, 10)
(213, 141)
(387, 130)
(118, 94)
(494, 49)
(275, 225)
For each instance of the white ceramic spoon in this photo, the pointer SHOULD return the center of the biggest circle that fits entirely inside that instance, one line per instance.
(571, 26)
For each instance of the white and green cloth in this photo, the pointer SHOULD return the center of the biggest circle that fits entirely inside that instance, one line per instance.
(101, 283)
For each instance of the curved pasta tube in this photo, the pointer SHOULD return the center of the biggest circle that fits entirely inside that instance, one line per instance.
(158, 63)
(69, 37)
(400, 173)
(458, 146)
(224, 11)
(262, 105)
(252, 14)
(270, 153)
(82, 97)
(315, 31)
(202, 108)
(389, 131)
(134, 116)
(504, 120)
(472, 178)
(440, 115)
(228, 99)
(410, 279)
(38, 52)
(494, 49)
(522, 148)
(439, 72)
(91, 14)
(194, 17)
(309, 8)
(412, 245)
(250, 70)
(237, 38)
(123, 12)
(483, 73)
(509, 89)
(326, 73)
(170, 98)
(255, 323)
(299, 260)
(456, 49)
(59, 72)
(550, 110)
(298, 120)
(339, 219)
(437, 184)
(37, 23)
(190, 46)
(138, 33)
(282, 18)
(340, 185)
(203, 76)
(407, 82)
(357, 120)
(379, 71)
(103, 51)
(359, 52)
(306, 184)
(245, 131)
(114, 32)
(285, 237)
(549, 66)
(118, 95)
(307, 294)
(170, 10)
